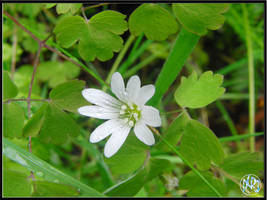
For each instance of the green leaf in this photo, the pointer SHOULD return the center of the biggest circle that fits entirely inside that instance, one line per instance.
(10, 90)
(130, 156)
(22, 78)
(198, 17)
(181, 49)
(57, 126)
(196, 188)
(63, 8)
(152, 20)
(200, 145)
(197, 93)
(98, 37)
(157, 166)
(68, 96)
(241, 164)
(35, 123)
(50, 189)
(16, 184)
(43, 169)
(130, 186)
(57, 72)
(13, 120)
(49, 5)
(174, 132)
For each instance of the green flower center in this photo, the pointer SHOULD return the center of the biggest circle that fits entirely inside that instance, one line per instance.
(130, 113)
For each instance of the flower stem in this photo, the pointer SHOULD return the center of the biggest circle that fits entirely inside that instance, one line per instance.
(186, 161)
(119, 59)
(251, 79)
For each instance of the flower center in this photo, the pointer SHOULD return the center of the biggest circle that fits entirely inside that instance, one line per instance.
(131, 113)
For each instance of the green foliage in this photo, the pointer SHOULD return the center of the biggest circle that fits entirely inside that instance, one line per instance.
(10, 89)
(174, 132)
(63, 8)
(199, 145)
(16, 184)
(197, 18)
(13, 120)
(68, 96)
(157, 167)
(241, 164)
(197, 188)
(50, 189)
(43, 169)
(130, 156)
(197, 93)
(57, 72)
(98, 37)
(181, 49)
(152, 20)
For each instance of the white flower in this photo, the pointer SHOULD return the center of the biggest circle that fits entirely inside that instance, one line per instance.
(128, 111)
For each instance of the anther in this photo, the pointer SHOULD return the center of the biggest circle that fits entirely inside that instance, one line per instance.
(131, 123)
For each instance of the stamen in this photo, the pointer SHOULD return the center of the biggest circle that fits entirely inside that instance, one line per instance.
(131, 123)
(135, 116)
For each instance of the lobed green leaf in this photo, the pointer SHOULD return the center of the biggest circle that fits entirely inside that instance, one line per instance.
(63, 8)
(197, 93)
(152, 20)
(198, 17)
(10, 90)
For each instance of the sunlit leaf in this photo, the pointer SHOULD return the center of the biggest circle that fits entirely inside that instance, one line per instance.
(13, 120)
(10, 90)
(200, 146)
(197, 188)
(98, 37)
(57, 72)
(68, 96)
(241, 164)
(198, 17)
(196, 92)
(152, 20)
(16, 184)
(51, 189)
(63, 8)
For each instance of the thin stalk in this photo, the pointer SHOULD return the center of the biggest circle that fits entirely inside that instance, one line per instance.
(251, 124)
(231, 96)
(239, 137)
(186, 162)
(119, 58)
(14, 52)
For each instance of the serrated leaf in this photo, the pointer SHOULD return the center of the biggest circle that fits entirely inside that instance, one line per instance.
(13, 120)
(198, 17)
(63, 8)
(98, 37)
(10, 90)
(174, 132)
(35, 123)
(57, 126)
(50, 189)
(152, 20)
(16, 184)
(200, 145)
(68, 96)
(57, 72)
(130, 156)
(241, 164)
(197, 93)
(196, 186)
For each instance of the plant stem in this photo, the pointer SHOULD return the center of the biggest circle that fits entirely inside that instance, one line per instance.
(251, 78)
(14, 52)
(95, 6)
(186, 161)
(119, 58)
(239, 137)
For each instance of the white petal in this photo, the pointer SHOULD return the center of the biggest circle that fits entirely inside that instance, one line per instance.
(117, 86)
(133, 87)
(151, 116)
(99, 112)
(104, 130)
(144, 134)
(145, 93)
(100, 98)
(116, 140)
